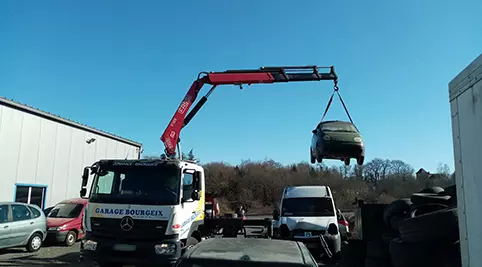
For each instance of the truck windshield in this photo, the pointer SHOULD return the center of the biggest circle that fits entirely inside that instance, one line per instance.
(305, 207)
(66, 210)
(147, 185)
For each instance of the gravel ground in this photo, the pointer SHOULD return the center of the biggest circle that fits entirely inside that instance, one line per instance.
(48, 256)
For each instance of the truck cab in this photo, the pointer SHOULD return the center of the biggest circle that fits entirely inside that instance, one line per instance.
(305, 214)
(142, 211)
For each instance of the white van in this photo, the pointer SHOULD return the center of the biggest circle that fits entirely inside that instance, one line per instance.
(305, 213)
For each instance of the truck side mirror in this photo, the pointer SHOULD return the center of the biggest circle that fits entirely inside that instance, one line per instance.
(83, 192)
(276, 214)
(196, 182)
(85, 176)
(195, 195)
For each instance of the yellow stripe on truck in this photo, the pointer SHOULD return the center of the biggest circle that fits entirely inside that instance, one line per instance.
(200, 206)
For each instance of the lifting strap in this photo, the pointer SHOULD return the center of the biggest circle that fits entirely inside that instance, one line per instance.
(335, 90)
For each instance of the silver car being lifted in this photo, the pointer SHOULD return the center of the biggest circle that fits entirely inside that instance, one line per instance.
(22, 225)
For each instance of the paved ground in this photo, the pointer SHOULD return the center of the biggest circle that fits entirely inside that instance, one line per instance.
(49, 256)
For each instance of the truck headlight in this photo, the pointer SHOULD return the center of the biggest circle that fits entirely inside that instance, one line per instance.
(164, 249)
(89, 245)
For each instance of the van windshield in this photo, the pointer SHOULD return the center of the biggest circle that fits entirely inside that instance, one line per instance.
(306, 207)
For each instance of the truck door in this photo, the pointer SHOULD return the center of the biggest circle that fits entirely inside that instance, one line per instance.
(192, 210)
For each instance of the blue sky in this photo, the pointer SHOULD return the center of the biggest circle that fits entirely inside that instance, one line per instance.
(124, 66)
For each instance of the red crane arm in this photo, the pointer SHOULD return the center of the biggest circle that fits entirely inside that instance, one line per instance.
(170, 137)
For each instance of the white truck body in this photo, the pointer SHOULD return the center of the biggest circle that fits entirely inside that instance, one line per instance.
(180, 217)
(466, 111)
(122, 221)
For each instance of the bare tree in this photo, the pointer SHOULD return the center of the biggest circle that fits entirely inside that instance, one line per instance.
(443, 169)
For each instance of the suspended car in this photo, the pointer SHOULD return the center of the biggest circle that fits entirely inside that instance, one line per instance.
(337, 140)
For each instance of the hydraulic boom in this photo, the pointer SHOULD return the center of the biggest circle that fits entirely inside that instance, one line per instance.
(170, 137)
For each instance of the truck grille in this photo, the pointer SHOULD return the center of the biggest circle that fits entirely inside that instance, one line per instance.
(141, 230)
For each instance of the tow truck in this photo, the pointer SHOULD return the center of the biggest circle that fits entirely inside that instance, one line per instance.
(150, 211)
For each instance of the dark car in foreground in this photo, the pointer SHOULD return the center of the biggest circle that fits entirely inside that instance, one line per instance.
(233, 252)
(337, 140)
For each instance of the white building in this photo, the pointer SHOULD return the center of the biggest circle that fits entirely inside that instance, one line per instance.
(42, 156)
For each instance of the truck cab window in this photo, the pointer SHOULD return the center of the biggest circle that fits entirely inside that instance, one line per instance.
(187, 185)
(104, 183)
(145, 185)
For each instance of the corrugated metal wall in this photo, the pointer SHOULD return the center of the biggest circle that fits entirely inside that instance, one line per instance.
(34, 150)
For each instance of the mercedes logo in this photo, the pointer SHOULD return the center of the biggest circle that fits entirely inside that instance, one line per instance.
(126, 223)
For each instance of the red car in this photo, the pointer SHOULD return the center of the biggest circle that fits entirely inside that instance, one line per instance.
(64, 221)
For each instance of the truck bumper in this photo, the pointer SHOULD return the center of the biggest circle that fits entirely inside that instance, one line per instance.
(102, 250)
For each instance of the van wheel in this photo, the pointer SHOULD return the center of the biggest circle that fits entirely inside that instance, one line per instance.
(34, 243)
(70, 238)
(347, 161)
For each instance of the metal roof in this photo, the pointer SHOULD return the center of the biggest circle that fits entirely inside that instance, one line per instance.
(22, 107)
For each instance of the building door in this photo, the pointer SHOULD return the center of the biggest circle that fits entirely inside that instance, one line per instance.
(31, 194)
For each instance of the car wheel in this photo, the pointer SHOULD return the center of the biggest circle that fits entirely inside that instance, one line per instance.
(70, 238)
(34, 243)
(347, 161)
(360, 160)
(312, 158)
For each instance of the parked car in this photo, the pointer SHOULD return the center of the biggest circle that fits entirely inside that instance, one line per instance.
(47, 210)
(337, 140)
(234, 252)
(64, 221)
(22, 225)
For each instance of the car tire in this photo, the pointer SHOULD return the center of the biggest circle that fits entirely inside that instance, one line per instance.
(70, 239)
(429, 198)
(438, 226)
(417, 210)
(360, 160)
(396, 212)
(433, 190)
(312, 158)
(347, 161)
(34, 243)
